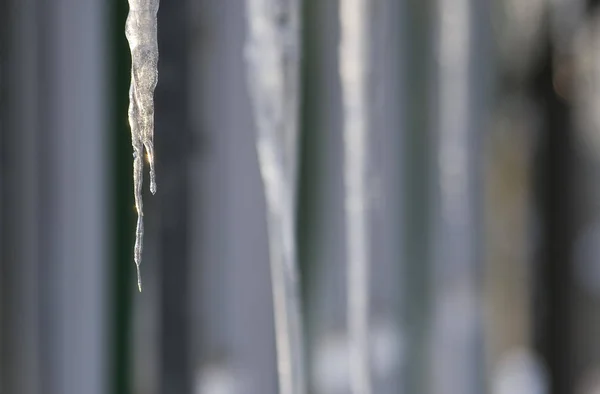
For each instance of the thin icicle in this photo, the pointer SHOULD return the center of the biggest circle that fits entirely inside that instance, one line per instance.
(354, 69)
(272, 53)
(140, 30)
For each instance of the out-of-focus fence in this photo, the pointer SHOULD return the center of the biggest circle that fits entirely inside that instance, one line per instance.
(442, 160)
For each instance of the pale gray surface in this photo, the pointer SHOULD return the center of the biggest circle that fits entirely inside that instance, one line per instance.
(55, 210)
(234, 319)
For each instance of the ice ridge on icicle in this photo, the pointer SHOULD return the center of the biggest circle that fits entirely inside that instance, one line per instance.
(140, 30)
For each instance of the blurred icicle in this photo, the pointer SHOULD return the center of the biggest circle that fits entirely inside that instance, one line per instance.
(140, 30)
(354, 69)
(273, 57)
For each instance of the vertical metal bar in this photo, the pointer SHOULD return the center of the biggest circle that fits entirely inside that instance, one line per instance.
(418, 187)
(5, 16)
(235, 346)
(212, 89)
(72, 217)
(508, 209)
(386, 132)
(555, 198)
(454, 351)
(122, 216)
(508, 212)
(321, 215)
(273, 55)
(354, 72)
(20, 369)
(173, 137)
(585, 302)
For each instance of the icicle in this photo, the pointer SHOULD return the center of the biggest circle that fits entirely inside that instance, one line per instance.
(354, 69)
(140, 30)
(272, 53)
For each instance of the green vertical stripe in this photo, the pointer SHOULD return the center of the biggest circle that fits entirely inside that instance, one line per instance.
(123, 221)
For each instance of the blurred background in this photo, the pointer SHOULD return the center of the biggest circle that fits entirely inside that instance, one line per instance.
(484, 193)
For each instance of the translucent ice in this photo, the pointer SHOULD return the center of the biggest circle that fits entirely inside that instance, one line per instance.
(140, 30)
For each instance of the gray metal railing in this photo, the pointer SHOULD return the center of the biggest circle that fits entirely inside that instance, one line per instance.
(354, 197)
